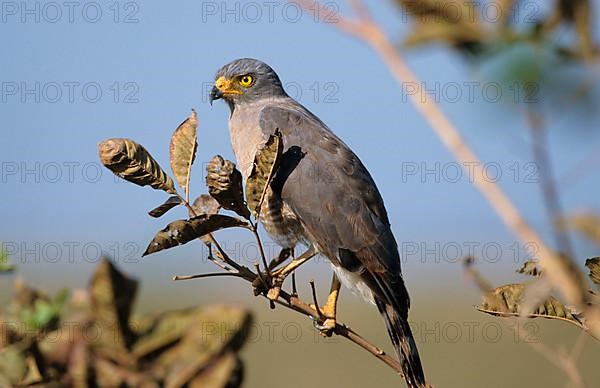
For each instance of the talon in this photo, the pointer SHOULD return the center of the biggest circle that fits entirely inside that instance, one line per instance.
(326, 328)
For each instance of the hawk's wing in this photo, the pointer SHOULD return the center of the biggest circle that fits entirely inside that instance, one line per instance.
(332, 193)
(336, 199)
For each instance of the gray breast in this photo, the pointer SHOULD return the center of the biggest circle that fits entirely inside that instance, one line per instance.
(246, 138)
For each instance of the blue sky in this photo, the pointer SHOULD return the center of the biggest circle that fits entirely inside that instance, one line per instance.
(62, 208)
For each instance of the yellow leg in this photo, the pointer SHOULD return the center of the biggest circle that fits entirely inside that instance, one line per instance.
(329, 311)
(280, 275)
(283, 256)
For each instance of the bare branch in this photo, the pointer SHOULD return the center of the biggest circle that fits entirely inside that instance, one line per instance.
(292, 302)
(206, 275)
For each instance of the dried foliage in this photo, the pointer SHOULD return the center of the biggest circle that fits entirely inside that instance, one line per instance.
(524, 300)
(470, 29)
(593, 265)
(433, 23)
(205, 204)
(183, 231)
(169, 204)
(530, 268)
(265, 163)
(48, 340)
(183, 151)
(507, 300)
(224, 182)
(130, 161)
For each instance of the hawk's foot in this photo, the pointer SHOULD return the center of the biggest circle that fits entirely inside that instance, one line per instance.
(327, 313)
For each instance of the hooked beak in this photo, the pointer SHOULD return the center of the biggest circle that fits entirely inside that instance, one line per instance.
(215, 94)
(223, 87)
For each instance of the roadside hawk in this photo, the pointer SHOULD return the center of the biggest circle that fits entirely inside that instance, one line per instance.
(321, 196)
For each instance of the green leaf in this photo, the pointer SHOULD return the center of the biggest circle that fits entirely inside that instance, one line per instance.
(182, 151)
(265, 163)
(224, 183)
(530, 268)
(594, 266)
(169, 204)
(183, 231)
(5, 265)
(130, 161)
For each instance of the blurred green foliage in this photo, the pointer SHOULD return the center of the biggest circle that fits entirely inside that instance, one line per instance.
(5, 264)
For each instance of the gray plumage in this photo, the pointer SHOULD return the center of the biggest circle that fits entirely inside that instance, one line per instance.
(322, 195)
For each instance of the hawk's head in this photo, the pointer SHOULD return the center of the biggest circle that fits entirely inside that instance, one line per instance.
(246, 80)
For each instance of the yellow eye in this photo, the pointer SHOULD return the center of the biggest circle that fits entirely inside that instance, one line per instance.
(246, 80)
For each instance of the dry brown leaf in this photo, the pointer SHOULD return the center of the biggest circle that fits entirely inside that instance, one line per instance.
(205, 204)
(182, 151)
(506, 301)
(183, 231)
(169, 204)
(530, 268)
(224, 183)
(266, 161)
(594, 266)
(224, 328)
(130, 161)
(112, 295)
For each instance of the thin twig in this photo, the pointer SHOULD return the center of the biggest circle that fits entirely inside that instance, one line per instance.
(221, 253)
(315, 301)
(206, 275)
(294, 290)
(220, 263)
(505, 314)
(259, 274)
(294, 303)
(366, 30)
(264, 282)
(254, 229)
(342, 330)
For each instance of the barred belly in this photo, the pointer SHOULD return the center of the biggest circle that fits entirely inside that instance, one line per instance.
(280, 222)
